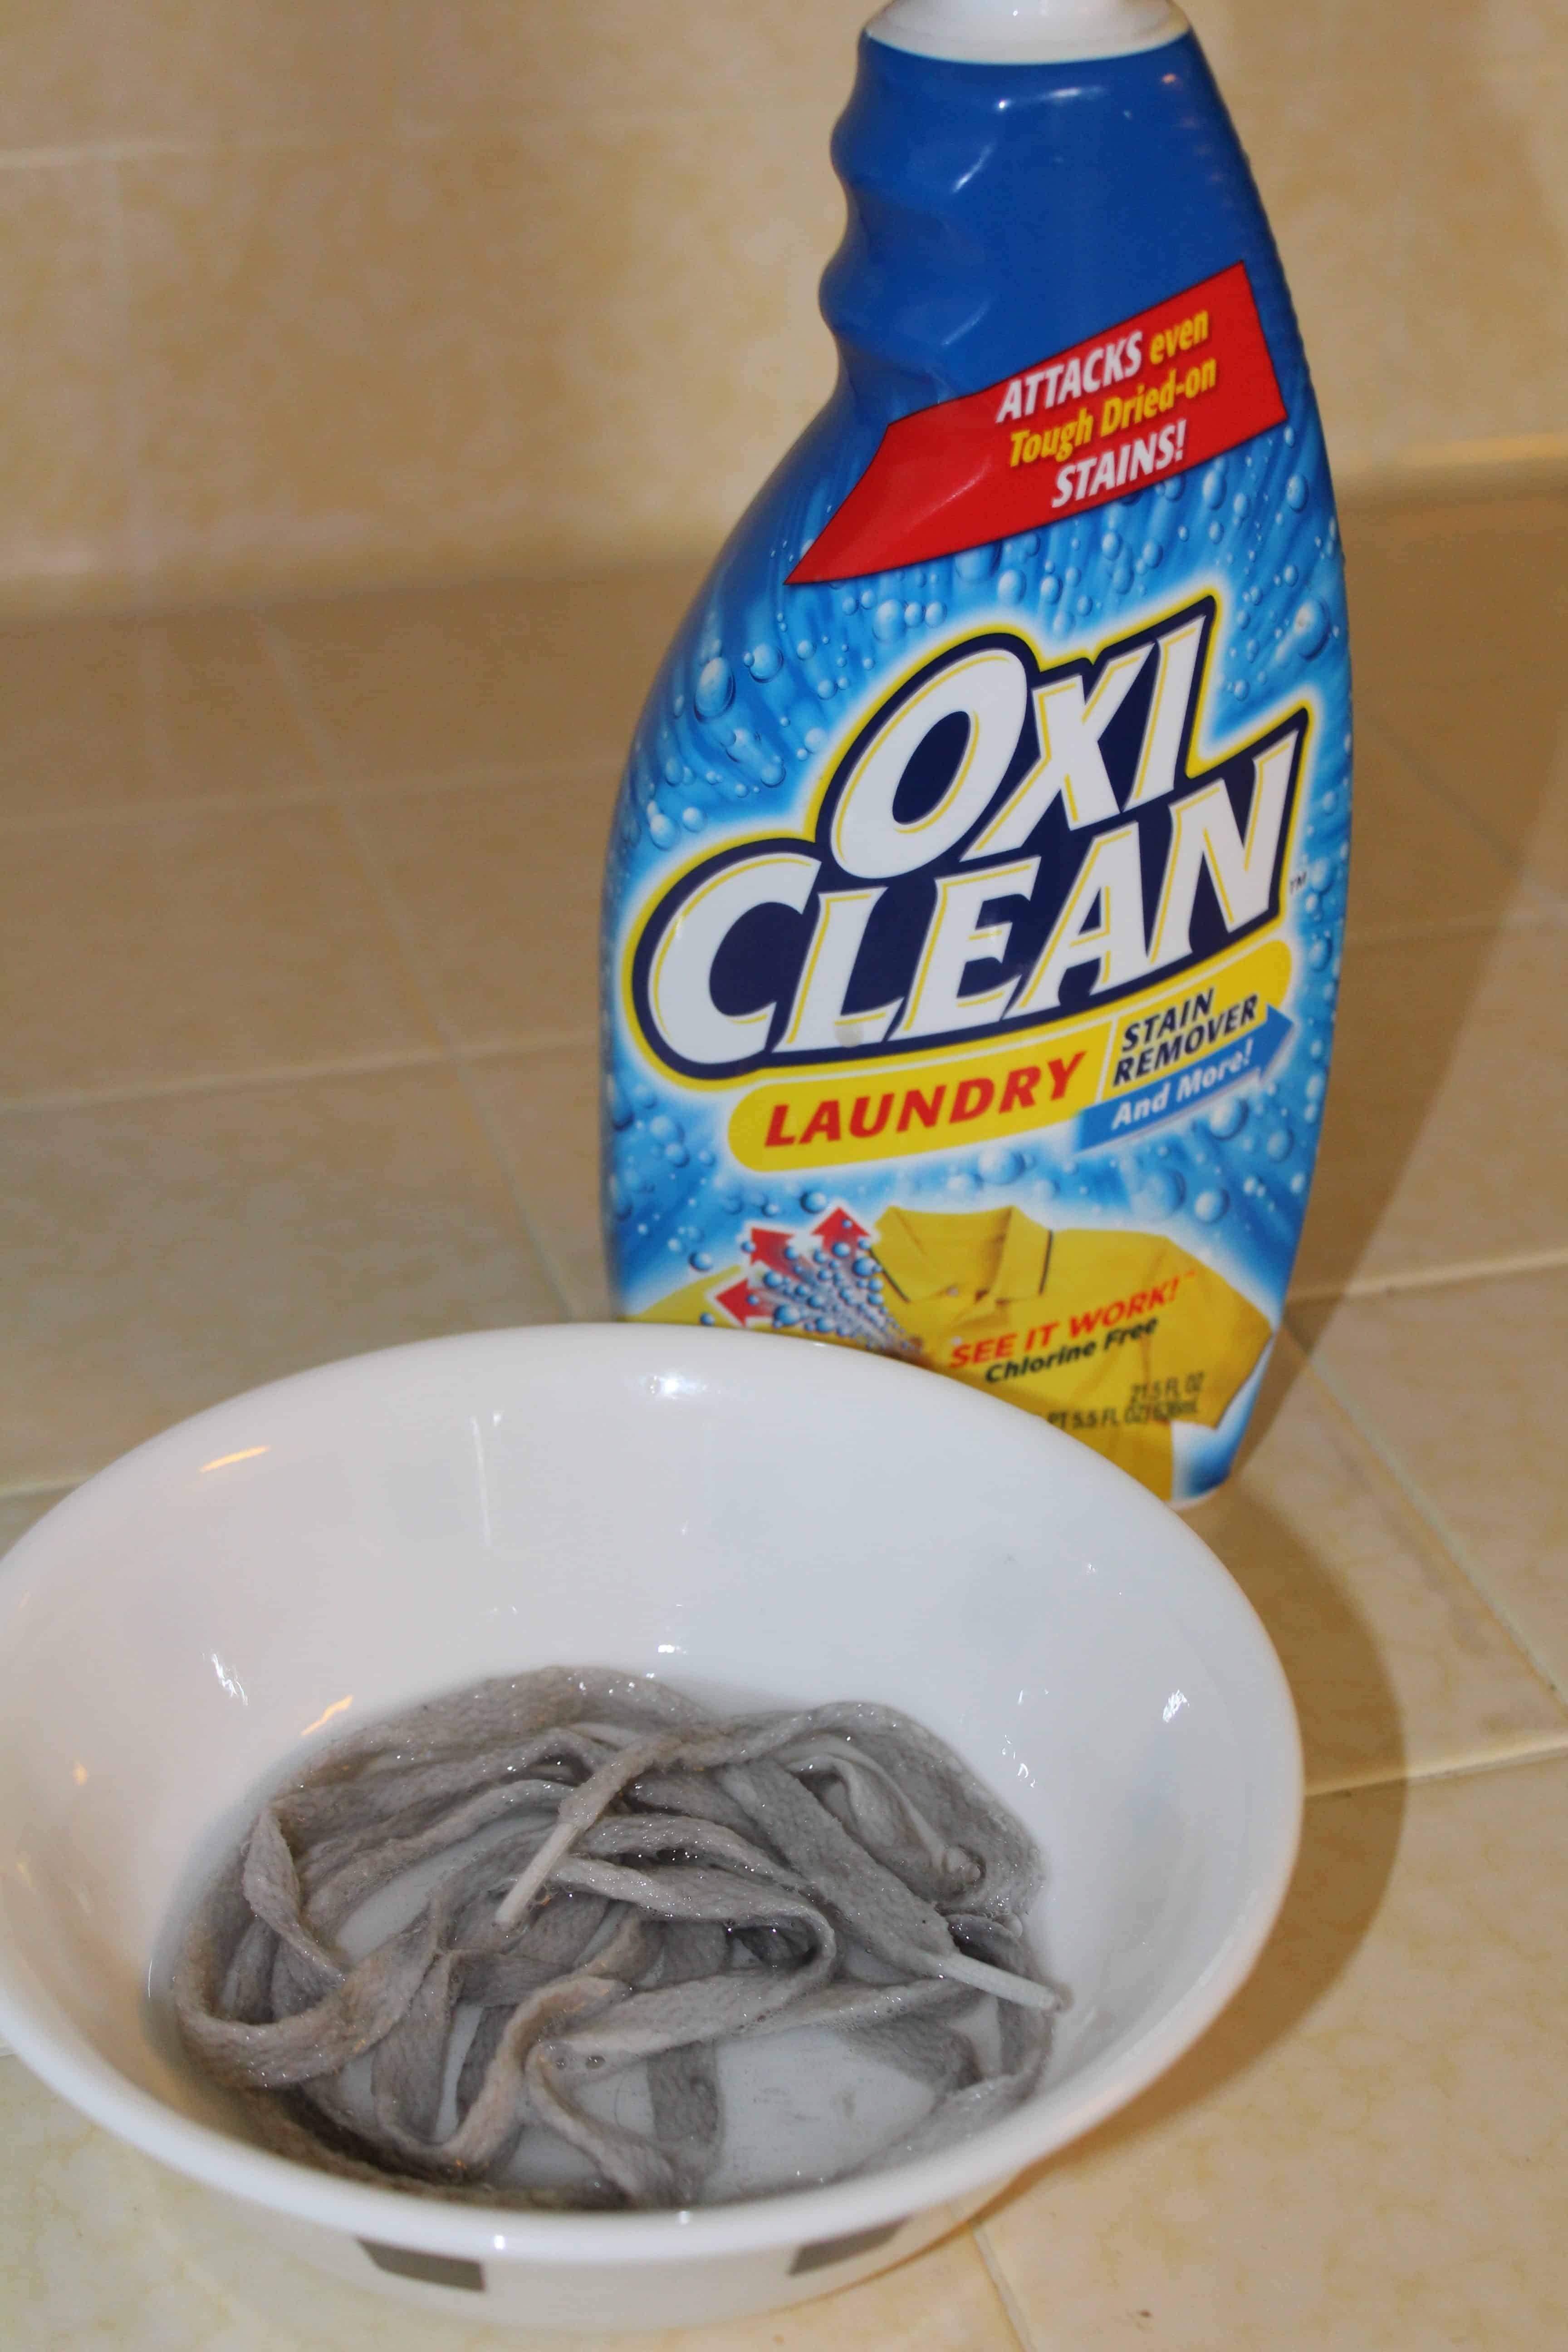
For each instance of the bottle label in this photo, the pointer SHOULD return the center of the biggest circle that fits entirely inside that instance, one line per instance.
(1168, 389)
(977, 893)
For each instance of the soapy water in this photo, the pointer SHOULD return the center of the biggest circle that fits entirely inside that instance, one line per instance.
(761, 691)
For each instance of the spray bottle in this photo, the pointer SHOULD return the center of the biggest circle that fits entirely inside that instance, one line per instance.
(975, 892)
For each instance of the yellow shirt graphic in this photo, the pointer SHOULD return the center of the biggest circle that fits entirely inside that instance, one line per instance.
(1111, 1335)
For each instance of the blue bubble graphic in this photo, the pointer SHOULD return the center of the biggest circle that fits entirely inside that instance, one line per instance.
(1309, 627)
(1158, 1194)
(715, 688)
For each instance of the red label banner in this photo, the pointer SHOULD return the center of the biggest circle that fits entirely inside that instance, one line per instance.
(1169, 389)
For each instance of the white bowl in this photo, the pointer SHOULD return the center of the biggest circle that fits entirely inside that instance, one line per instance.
(795, 1521)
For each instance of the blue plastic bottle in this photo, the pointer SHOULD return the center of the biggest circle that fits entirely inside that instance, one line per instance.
(975, 894)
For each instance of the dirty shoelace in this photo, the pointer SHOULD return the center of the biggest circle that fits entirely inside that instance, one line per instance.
(633, 1882)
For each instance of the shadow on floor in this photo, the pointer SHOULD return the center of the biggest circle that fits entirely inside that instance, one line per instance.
(1457, 622)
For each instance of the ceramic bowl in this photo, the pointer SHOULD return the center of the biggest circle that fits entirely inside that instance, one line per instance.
(789, 1520)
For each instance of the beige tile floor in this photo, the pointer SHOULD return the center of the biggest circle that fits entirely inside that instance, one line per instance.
(297, 914)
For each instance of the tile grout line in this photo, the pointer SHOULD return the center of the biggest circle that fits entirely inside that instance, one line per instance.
(1545, 1748)
(14, 825)
(1426, 1510)
(279, 1073)
(319, 794)
(1000, 2288)
(1392, 740)
(1440, 1277)
(399, 128)
(129, 419)
(1539, 912)
(304, 711)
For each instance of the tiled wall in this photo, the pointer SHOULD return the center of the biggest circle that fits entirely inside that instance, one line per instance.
(300, 291)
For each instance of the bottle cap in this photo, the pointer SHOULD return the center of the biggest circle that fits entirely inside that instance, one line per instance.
(1026, 32)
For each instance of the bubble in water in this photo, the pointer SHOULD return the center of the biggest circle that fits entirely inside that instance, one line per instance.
(1121, 579)
(764, 661)
(701, 1262)
(1280, 1144)
(1111, 544)
(1290, 575)
(888, 620)
(999, 1164)
(659, 826)
(1240, 690)
(1050, 589)
(1227, 1118)
(1296, 493)
(1151, 553)
(1211, 1205)
(785, 1316)
(715, 688)
(692, 818)
(1308, 628)
(1315, 1086)
(1159, 1193)
(812, 1202)
(1318, 954)
(935, 610)
(1172, 490)
(1240, 505)
(1299, 1182)
(1320, 874)
(961, 1181)
(1083, 604)
(1010, 586)
(1216, 531)
(1212, 488)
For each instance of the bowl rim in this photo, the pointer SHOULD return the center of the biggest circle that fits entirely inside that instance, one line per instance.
(990, 2156)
